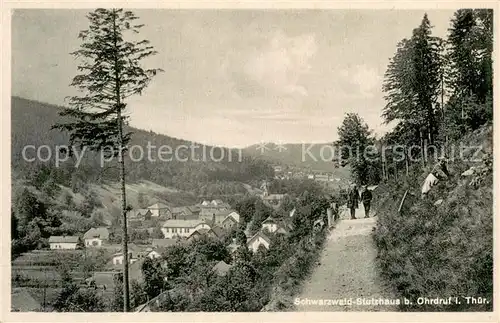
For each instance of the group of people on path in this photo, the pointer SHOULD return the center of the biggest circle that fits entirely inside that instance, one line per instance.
(355, 197)
(439, 172)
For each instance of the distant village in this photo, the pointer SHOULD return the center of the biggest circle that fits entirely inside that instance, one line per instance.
(281, 172)
(179, 225)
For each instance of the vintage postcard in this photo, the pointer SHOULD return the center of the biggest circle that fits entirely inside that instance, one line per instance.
(277, 161)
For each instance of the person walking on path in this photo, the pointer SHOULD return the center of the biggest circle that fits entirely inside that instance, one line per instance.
(352, 201)
(366, 198)
(439, 172)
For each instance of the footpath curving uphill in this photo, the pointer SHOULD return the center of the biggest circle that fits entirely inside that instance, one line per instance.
(347, 278)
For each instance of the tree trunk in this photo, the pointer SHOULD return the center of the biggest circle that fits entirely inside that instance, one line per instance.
(121, 159)
(422, 149)
(406, 162)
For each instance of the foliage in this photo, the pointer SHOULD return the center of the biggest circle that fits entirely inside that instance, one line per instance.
(356, 143)
(75, 299)
(154, 277)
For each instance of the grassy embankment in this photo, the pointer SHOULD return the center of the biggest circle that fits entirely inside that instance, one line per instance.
(439, 251)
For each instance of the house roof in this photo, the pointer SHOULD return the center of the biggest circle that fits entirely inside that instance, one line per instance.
(221, 268)
(173, 223)
(139, 212)
(270, 220)
(158, 206)
(218, 231)
(231, 213)
(181, 209)
(259, 234)
(101, 233)
(64, 239)
(22, 301)
(230, 218)
(202, 230)
(194, 208)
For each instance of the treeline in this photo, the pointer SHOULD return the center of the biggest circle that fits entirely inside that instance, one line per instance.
(436, 91)
(199, 171)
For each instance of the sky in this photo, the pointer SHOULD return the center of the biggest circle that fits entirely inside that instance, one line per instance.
(234, 77)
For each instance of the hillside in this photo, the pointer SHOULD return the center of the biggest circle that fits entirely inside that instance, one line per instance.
(198, 170)
(442, 245)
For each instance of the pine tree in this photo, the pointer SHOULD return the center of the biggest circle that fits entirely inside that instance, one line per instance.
(470, 43)
(354, 139)
(110, 73)
(413, 82)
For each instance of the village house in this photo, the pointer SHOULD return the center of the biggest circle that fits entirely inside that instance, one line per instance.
(229, 222)
(64, 242)
(216, 232)
(181, 228)
(283, 228)
(160, 209)
(270, 224)
(208, 209)
(220, 216)
(191, 212)
(258, 239)
(134, 253)
(197, 234)
(140, 214)
(96, 237)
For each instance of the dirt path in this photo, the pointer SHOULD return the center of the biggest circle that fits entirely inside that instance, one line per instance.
(347, 271)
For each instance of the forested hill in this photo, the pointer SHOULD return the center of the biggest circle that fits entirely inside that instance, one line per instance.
(197, 172)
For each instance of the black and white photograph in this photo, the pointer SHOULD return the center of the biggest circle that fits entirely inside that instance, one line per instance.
(234, 159)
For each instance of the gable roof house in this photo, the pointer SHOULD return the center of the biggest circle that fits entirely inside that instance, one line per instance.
(213, 207)
(64, 242)
(216, 232)
(220, 215)
(134, 253)
(160, 209)
(229, 222)
(197, 234)
(257, 240)
(95, 237)
(185, 212)
(140, 214)
(270, 224)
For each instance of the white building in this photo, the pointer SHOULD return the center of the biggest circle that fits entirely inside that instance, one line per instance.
(270, 225)
(159, 209)
(95, 237)
(259, 239)
(182, 228)
(64, 242)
